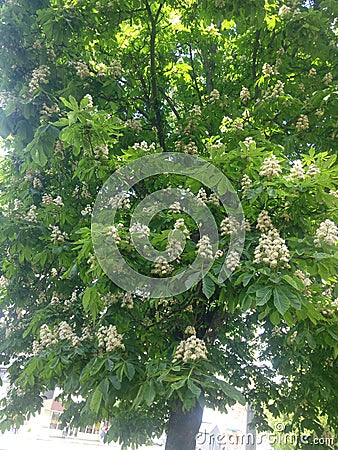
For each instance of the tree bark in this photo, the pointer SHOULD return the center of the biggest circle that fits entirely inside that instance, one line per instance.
(183, 428)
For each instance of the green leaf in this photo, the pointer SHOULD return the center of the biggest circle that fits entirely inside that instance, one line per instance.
(275, 318)
(194, 388)
(149, 392)
(208, 287)
(280, 301)
(263, 296)
(232, 392)
(96, 399)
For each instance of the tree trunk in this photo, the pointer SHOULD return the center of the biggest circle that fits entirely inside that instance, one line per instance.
(183, 428)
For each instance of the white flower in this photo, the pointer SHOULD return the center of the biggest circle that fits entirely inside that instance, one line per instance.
(87, 211)
(204, 248)
(267, 69)
(180, 225)
(232, 261)
(144, 146)
(110, 339)
(90, 101)
(3, 282)
(39, 77)
(327, 232)
(58, 201)
(202, 196)
(248, 141)
(312, 72)
(127, 301)
(270, 167)
(121, 200)
(133, 124)
(57, 235)
(297, 171)
(246, 183)
(328, 78)
(175, 208)
(244, 95)
(174, 248)
(190, 330)
(113, 232)
(313, 170)
(54, 272)
(37, 183)
(334, 193)
(139, 230)
(190, 349)
(272, 250)
(32, 216)
(303, 123)
(303, 277)
(82, 69)
(284, 10)
(162, 266)
(214, 96)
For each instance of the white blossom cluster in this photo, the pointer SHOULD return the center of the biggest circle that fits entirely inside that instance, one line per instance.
(39, 77)
(180, 225)
(37, 184)
(328, 78)
(204, 248)
(133, 124)
(49, 337)
(70, 301)
(297, 171)
(272, 250)
(312, 170)
(244, 95)
(87, 211)
(82, 70)
(270, 167)
(246, 183)
(127, 301)
(162, 266)
(284, 10)
(101, 151)
(248, 141)
(144, 146)
(305, 280)
(232, 261)
(312, 72)
(202, 197)
(53, 272)
(267, 69)
(214, 96)
(175, 208)
(334, 193)
(113, 231)
(31, 215)
(230, 225)
(263, 221)
(57, 235)
(115, 68)
(190, 330)
(3, 282)
(109, 339)
(174, 248)
(48, 111)
(327, 232)
(90, 103)
(277, 90)
(190, 349)
(121, 200)
(303, 123)
(189, 148)
(47, 199)
(139, 230)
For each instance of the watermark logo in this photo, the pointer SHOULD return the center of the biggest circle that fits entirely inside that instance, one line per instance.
(121, 187)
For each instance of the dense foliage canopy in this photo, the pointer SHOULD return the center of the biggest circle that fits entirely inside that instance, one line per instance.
(249, 86)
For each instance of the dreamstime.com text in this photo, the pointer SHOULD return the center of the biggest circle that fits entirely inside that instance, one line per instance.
(262, 438)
